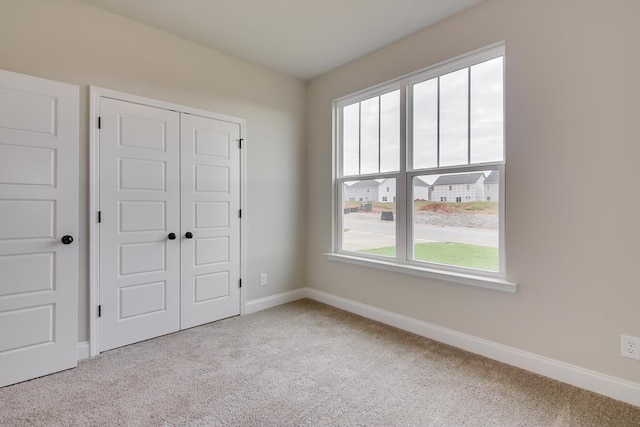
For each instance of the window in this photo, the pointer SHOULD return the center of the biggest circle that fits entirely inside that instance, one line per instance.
(434, 137)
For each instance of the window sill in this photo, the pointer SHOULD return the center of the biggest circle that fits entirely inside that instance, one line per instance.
(459, 278)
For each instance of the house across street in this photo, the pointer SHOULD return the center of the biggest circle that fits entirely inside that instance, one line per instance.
(452, 188)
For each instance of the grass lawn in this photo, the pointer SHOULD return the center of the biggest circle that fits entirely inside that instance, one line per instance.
(458, 254)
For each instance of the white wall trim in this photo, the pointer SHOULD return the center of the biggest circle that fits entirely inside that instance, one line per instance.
(613, 387)
(83, 350)
(260, 304)
(94, 231)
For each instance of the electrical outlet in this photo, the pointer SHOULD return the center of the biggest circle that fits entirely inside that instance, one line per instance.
(630, 347)
(263, 279)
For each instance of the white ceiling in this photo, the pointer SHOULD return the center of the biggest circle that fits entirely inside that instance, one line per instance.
(300, 38)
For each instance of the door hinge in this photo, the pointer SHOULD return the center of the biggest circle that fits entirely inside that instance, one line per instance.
(100, 311)
(240, 213)
(240, 282)
(99, 122)
(99, 217)
(241, 140)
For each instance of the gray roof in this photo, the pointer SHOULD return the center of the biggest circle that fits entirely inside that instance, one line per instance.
(419, 182)
(365, 183)
(461, 178)
(492, 178)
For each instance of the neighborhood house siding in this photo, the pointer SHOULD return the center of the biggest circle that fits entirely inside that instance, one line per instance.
(459, 188)
(421, 190)
(479, 192)
(491, 187)
(387, 191)
(371, 191)
(363, 191)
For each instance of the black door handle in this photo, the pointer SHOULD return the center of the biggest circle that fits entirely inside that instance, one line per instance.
(188, 235)
(67, 240)
(172, 236)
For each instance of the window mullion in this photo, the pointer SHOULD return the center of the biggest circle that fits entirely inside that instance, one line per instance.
(409, 166)
(402, 213)
(379, 133)
(359, 137)
(502, 232)
(469, 115)
(336, 241)
(438, 126)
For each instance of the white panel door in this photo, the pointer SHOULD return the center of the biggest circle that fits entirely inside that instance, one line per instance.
(39, 129)
(140, 222)
(210, 220)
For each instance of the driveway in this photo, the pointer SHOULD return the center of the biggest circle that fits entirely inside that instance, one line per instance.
(367, 231)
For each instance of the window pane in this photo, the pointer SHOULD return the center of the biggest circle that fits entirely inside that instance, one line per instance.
(425, 124)
(454, 224)
(369, 215)
(454, 114)
(487, 111)
(351, 139)
(390, 132)
(369, 135)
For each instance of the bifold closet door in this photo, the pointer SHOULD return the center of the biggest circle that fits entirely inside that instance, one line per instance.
(140, 222)
(210, 220)
(39, 129)
(169, 221)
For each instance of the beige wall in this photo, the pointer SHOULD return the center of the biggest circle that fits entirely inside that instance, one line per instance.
(572, 96)
(75, 43)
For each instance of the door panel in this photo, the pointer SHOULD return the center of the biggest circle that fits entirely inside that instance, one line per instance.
(27, 273)
(143, 299)
(211, 286)
(142, 174)
(27, 219)
(142, 216)
(210, 267)
(24, 109)
(140, 206)
(211, 215)
(13, 159)
(39, 129)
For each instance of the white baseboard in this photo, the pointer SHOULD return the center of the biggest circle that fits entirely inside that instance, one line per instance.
(260, 304)
(613, 387)
(83, 350)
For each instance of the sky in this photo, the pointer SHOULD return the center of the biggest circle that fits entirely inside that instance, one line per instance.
(371, 128)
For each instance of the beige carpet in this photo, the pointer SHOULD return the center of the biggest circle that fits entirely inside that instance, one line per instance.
(302, 364)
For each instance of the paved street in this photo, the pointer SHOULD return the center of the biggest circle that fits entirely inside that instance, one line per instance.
(366, 232)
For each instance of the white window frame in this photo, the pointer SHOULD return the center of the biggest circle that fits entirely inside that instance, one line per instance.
(404, 190)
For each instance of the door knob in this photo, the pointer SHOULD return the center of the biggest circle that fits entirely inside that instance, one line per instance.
(172, 236)
(188, 235)
(67, 240)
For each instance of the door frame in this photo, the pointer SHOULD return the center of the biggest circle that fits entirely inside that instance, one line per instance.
(95, 93)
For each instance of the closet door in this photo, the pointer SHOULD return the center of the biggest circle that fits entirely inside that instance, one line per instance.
(140, 222)
(210, 220)
(39, 128)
